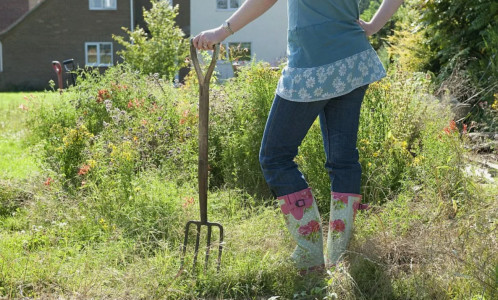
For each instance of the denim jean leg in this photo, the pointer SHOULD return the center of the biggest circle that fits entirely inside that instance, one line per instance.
(339, 122)
(286, 127)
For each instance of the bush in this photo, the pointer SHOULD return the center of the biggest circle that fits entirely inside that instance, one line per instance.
(164, 51)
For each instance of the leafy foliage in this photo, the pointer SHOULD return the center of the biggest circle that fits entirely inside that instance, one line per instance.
(164, 51)
(463, 32)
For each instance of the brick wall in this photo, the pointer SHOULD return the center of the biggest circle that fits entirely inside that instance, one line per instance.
(56, 30)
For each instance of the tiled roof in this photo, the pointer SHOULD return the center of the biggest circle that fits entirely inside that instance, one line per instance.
(11, 11)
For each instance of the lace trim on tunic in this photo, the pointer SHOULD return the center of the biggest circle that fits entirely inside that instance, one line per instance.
(332, 80)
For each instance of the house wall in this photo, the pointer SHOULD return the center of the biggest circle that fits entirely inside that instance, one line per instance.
(56, 30)
(183, 18)
(267, 34)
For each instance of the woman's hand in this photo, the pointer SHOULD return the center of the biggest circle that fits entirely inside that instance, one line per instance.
(382, 15)
(249, 11)
(367, 27)
(207, 39)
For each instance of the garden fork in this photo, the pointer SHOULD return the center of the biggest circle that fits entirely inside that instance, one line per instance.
(203, 162)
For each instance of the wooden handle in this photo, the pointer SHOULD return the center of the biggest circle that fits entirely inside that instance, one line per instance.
(203, 125)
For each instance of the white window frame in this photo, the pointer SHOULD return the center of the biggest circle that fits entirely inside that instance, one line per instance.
(1, 57)
(229, 8)
(113, 5)
(98, 64)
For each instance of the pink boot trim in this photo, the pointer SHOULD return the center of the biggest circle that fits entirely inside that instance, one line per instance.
(295, 203)
(343, 197)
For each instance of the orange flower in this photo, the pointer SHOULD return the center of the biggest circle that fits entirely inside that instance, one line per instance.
(84, 170)
(23, 107)
(452, 125)
(188, 202)
(48, 181)
(451, 128)
(102, 95)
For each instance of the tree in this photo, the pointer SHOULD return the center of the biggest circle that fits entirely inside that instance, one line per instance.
(463, 32)
(164, 51)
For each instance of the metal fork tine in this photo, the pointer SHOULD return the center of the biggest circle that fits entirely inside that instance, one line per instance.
(208, 246)
(220, 248)
(185, 242)
(197, 239)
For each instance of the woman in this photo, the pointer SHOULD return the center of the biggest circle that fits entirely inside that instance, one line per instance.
(330, 64)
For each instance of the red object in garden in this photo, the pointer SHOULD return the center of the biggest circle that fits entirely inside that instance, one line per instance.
(58, 69)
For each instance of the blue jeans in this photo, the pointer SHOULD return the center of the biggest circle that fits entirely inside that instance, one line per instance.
(286, 127)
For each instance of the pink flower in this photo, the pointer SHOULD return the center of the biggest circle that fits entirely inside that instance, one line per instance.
(338, 225)
(305, 230)
(312, 226)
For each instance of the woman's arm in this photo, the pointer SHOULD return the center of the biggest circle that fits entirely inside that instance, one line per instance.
(383, 14)
(248, 12)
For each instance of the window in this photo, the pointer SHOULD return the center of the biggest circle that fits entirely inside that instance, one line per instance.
(227, 4)
(98, 54)
(1, 58)
(102, 4)
(238, 51)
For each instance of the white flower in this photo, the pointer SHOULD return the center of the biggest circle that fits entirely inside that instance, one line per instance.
(303, 94)
(297, 79)
(342, 70)
(350, 61)
(310, 83)
(362, 67)
(330, 70)
(322, 75)
(318, 92)
(339, 85)
(307, 73)
(357, 81)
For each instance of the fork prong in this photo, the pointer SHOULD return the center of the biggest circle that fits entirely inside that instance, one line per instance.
(185, 242)
(208, 247)
(197, 239)
(220, 248)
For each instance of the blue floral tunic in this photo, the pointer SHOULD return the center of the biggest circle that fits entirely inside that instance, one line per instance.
(328, 52)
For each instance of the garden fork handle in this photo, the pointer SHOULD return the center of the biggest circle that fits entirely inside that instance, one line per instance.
(203, 125)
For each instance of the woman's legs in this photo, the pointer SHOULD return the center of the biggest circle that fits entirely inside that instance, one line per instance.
(287, 125)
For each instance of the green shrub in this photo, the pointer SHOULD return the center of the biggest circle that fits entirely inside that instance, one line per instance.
(164, 51)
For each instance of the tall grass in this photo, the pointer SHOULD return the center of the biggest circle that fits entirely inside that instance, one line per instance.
(105, 218)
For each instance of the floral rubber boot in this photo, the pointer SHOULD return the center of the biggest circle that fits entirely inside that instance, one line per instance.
(303, 222)
(343, 208)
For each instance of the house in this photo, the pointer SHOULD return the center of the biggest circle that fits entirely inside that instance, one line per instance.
(33, 33)
(266, 37)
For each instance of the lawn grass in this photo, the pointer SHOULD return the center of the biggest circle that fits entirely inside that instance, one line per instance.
(16, 161)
